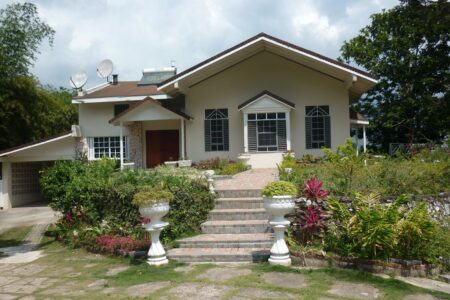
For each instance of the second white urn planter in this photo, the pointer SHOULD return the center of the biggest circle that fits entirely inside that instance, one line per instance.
(156, 253)
(278, 207)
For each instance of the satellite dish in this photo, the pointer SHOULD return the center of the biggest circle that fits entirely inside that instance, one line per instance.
(105, 68)
(78, 80)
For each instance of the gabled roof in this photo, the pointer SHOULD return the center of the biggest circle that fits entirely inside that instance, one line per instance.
(267, 42)
(136, 105)
(265, 92)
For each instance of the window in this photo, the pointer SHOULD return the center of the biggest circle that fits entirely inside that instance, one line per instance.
(216, 130)
(267, 132)
(120, 108)
(108, 146)
(317, 124)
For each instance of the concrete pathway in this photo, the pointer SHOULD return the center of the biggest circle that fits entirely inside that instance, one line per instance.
(36, 213)
(27, 251)
(253, 179)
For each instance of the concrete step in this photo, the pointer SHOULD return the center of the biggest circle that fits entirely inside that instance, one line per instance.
(238, 214)
(245, 240)
(239, 193)
(239, 203)
(237, 226)
(219, 254)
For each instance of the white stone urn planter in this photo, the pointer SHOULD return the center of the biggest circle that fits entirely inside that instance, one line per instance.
(156, 253)
(278, 207)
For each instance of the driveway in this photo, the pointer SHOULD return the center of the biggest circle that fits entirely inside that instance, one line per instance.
(36, 213)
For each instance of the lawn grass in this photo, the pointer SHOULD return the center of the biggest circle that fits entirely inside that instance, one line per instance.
(14, 236)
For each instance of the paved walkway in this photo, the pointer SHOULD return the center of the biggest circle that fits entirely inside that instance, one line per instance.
(37, 213)
(251, 179)
(27, 251)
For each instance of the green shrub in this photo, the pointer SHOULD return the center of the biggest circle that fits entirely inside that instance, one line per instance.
(149, 195)
(288, 161)
(72, 185)
(96, 199)
(221, 166)
(189, 208)
(279, 188)
(369, 229)
(233, 168)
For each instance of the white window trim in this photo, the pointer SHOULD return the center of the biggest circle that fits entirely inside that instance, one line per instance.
(91, 153)
(256, 111)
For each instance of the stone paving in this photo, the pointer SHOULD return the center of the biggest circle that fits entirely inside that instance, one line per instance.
(89, 276)
(248, 180)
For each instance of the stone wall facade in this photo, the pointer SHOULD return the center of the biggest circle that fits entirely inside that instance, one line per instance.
(135, 144)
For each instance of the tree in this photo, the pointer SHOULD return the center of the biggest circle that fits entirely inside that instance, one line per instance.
(28, 111)
(21, 33)
(407, 48)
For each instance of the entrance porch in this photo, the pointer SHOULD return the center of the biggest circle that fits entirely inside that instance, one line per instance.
(156, 133)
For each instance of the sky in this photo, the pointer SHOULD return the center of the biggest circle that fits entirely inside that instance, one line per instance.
(138, 34)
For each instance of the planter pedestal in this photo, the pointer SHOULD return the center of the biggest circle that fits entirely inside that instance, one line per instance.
(279, 253)
(278, 207)
(156, 254)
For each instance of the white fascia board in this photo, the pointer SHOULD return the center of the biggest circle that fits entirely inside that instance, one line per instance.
(272, 42)
(118, 99)
(37, 144)
(360, 122)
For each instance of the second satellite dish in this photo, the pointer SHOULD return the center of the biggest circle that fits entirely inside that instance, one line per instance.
(78, 80)
(105, 68)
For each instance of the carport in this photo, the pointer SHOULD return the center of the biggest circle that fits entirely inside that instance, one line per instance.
(20, 167)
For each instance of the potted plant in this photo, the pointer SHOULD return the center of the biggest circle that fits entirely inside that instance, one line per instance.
(278, 201)
(153, 203)
(184, 162)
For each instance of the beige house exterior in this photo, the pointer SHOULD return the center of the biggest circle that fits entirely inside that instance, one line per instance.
(252, 102)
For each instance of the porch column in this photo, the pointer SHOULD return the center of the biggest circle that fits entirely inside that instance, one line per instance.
(182, 140)
(364, 139)
(121, 146)
(245, 132)
(288, 131)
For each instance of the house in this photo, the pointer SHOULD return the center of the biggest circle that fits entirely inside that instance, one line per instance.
(254, 102)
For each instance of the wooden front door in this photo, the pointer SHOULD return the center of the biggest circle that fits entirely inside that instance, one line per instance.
(162, 145)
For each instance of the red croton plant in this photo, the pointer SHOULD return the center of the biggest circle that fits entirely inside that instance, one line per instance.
(313, 216)
(313, 189)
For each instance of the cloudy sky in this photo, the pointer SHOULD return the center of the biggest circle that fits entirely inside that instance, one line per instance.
(137, 34)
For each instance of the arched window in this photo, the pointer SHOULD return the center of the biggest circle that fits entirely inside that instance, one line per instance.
(317, 125)
(216, 130)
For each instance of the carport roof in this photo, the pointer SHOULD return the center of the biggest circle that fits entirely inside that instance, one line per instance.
(26, 146)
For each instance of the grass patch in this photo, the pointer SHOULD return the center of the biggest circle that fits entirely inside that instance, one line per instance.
(14, 236)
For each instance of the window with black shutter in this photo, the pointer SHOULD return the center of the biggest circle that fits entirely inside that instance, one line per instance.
(120, 108)
(317, 125)
(267, 132)
(216, 130)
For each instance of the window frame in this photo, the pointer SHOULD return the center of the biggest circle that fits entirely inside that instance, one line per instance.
(111, 154)
(217, 117)
(258, 118)
(318, 115)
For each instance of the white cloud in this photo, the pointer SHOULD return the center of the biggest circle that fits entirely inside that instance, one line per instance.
(139, 34)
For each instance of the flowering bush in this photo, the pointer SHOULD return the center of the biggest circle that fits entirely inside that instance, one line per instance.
(119, 244)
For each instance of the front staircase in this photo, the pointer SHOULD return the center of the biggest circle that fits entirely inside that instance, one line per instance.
(237, 230)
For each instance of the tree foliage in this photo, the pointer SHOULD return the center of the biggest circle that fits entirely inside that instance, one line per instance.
(28, 111)
(407, 47)
(21, 33)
